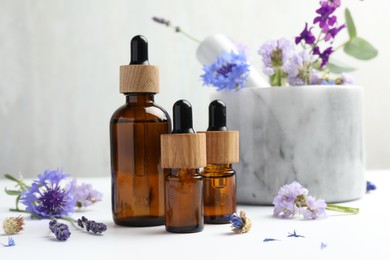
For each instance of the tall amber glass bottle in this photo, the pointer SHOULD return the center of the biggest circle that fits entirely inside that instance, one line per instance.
(219, 178)
(137, 178)
(184, 153)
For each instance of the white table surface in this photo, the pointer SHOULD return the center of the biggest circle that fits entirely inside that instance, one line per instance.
(362, 236)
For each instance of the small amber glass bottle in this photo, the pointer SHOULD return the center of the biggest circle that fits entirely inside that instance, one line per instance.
(219, 178)
(184, 153)
(137, 178)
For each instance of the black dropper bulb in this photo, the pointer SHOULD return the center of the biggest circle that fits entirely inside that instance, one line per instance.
(182, 117)
(139, 50)
(217, 116)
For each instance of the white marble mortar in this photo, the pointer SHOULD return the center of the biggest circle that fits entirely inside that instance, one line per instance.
(310, 134)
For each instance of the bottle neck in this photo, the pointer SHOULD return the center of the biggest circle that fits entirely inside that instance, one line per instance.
(139, 97)
(218, 167)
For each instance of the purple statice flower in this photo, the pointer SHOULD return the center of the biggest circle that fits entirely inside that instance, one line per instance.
(299, 69)
(344, 79)
(325, 18)
(46, 198)
(306, 35)
(84, 194)
(60, 230)
(91, 225)
(275, 54)
(289, 200)
(230, 71)
(324, 56)
(315, 208)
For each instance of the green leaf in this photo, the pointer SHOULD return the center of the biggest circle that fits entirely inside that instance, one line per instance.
(12, 192)
(360, 49)
(350, 24)
(10, 177)
(338, 67)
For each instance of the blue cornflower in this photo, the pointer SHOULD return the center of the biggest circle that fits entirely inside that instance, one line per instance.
(11, 242)
(46, 198)
(230, 71)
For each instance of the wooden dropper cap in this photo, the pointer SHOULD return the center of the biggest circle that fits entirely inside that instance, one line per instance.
(139, 76)
(183, 148)
(222, 145)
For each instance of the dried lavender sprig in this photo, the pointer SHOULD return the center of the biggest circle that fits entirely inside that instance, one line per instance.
(91, 225)
(176, 28)
(60, 230)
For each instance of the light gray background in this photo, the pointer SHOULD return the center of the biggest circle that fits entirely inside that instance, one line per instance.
(59, 69)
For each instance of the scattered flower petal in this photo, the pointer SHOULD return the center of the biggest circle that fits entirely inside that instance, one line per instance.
(323, 245)
(270, 239)
(370, 186)
(11, 242)
(294, 234)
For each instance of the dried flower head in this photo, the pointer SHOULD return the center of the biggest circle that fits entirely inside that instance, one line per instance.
(13, 225)
(240, 223)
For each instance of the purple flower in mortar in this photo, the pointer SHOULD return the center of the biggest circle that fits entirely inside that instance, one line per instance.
(230, 71)
(306, 36)
(323, 55)
(325, 18)
(46, 198)
(275, 54)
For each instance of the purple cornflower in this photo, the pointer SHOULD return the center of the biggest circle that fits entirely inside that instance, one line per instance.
(305, 35)
(325, 18)
(46, 198)
(230, 71)
(289, 200)
(275, 54)
(91, 225)
(84, 194)
(323, 55)
(60, 230)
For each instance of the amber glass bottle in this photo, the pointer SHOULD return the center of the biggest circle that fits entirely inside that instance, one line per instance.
(137, 177)
(219, 178)
(184, 153)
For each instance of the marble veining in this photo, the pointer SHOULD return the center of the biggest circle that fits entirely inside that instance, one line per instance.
(311, 134)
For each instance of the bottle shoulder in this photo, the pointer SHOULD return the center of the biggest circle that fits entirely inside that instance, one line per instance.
(141, 112)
